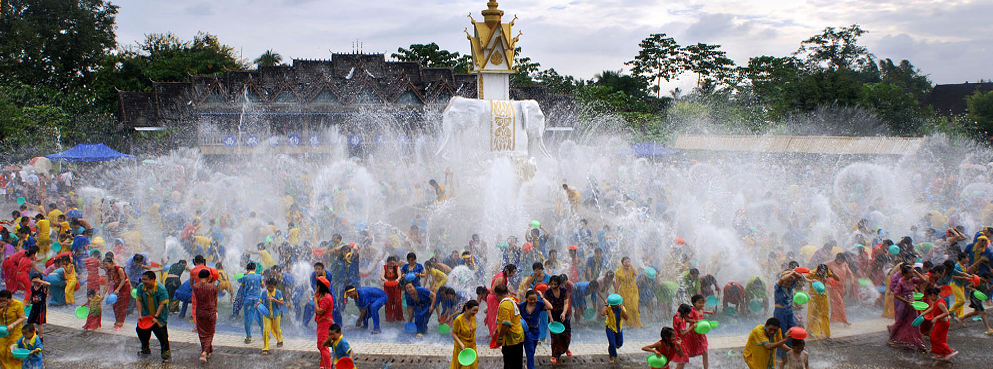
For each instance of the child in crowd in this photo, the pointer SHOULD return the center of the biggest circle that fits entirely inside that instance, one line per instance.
(39, 300)
(30, 341)
(940, 318)
(614, 315)
(670, 347)
(339, 347)
(796, 358)
(96, 313)
(272, 299)
(975, 303)
(695, 343)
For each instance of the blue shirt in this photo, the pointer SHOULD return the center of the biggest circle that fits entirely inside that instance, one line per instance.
(423, 303)
(253, 285)
(368, 295)
(579, 293)
(532, 318)
(275, 310)
(418, 269)
(988, 254)
(133, 269)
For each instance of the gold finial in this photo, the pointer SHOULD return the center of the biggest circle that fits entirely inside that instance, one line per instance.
(492, 14)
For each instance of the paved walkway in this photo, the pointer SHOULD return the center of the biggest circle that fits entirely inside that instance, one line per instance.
(429, 349)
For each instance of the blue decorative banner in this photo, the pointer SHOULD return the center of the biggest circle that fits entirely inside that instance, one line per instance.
(252, 141)
(273, 140)
(293, 139)
(380, 140)
(314, 140)
(230, 141)
(354, 140)
(404, 140)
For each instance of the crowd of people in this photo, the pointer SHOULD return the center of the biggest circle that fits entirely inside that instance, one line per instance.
(528, 292)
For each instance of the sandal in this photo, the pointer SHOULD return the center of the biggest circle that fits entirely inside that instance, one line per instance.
(203, 357)
(265, 352)
(279, 344)
(248, 340)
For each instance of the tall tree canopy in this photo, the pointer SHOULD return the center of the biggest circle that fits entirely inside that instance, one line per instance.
(268, 59)
(660, 59)
(57, 44)
(433, 56)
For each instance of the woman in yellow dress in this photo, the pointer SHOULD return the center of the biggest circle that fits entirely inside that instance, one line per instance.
(464, 333)
(625, 279)
(72, 283)
(12, 317)
(818, 322)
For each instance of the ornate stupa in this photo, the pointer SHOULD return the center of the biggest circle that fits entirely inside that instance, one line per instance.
(493, 53)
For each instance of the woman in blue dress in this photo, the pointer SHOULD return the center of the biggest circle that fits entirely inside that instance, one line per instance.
(531, 309)
(784, 300)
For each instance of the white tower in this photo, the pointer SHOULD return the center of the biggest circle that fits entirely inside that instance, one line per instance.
(493, 54)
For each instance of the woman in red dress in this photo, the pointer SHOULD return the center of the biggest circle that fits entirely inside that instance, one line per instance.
(117, 283)
(323, 309)
(391, 284)
(695, 344)
(682, 329)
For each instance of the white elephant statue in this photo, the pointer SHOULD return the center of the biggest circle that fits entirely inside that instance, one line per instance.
(493, 126)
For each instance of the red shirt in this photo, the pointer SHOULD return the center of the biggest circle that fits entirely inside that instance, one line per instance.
(195, 274)
(326, 303)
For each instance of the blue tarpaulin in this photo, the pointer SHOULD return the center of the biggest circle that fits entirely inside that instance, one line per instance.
(97, 152)
(650, 150)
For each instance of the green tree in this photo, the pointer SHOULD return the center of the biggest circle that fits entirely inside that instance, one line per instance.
(162, 57)
(660, 59)
(268, 59)
(895, 106)
(906, 77)
(980, 112)
(34, 120)
(432, 56)
(558, 84)
(710, 63)
(527, 70)
(615, 81)
(58, 44)
(837, 48)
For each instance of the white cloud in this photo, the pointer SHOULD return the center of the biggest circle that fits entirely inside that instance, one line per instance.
(583, 37)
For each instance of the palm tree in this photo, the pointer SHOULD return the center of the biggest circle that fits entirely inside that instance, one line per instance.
(269, 59)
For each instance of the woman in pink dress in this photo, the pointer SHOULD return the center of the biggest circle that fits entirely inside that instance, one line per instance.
(491, 302)
(902, 332)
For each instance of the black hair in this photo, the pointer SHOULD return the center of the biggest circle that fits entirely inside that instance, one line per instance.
(793, 264)
(411, 255)
(773, 322)
(28, 327)
(392, 258)
(799, 343)
(348, 287)
(509, 268)
(667, 333)
(250, 266)
(319, 264)
(932, 291)
(469, 305)
(271, 281)
(684, 309)
(5, 294)
(695, 271)
(696, 298)
(500, 289)
(91, 292)
(481, 290)
(564, 278)
(556, 279)
(204, 273)
(537, 266)
(198, 260)
(334, 328)
(150, 275)
(593, 286)
(530, 293)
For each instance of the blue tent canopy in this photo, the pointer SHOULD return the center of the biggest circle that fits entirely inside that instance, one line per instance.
(97, 152)
(650, 150)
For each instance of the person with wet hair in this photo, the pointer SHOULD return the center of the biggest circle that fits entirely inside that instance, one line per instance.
(502, 278)
(152, 299)
(205, 311)
(670, 347)
(464, 334)
(762, 343)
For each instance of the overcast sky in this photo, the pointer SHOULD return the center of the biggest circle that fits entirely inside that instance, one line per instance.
(950, 40)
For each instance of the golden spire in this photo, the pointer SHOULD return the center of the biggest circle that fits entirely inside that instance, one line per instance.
(492, 14)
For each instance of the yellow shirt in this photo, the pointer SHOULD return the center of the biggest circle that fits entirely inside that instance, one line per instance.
(438, 279)
(54, 215)
(440, 192)
(266, 259)
(509, 315)
(614, 322)
(756, 356)
(44, 229)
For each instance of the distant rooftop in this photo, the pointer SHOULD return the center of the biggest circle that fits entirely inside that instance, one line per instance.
(836, 145)
(949, 100)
